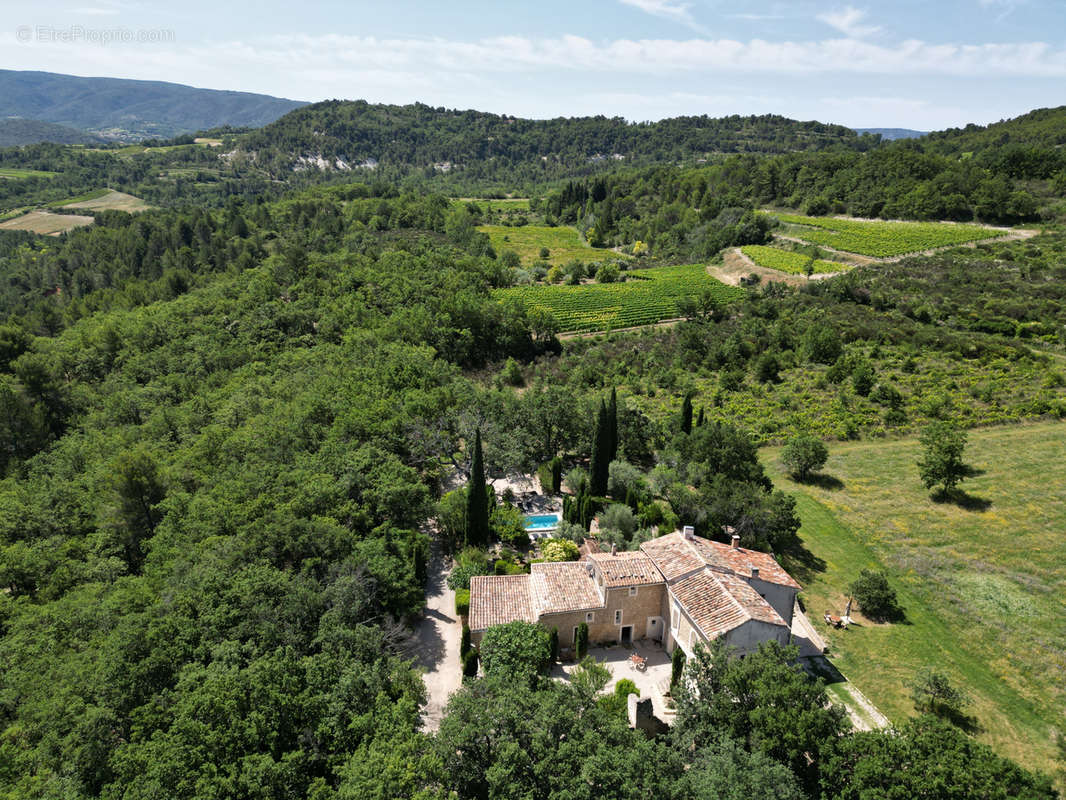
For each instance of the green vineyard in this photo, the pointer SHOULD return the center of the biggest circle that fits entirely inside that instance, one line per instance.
(789, 261)
(884, 239)
(647, 296)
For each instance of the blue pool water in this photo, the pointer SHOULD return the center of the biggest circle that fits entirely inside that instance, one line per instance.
(539, 522)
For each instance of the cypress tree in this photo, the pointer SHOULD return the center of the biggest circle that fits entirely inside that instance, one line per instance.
(686, 415)
(600, 461)
(612, 427)
(699, 419)
(477, 500)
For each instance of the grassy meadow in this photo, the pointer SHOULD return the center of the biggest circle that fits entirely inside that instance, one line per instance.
(563, 242)
(981, 584)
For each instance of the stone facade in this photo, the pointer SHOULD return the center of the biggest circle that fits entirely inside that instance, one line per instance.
(679, 589)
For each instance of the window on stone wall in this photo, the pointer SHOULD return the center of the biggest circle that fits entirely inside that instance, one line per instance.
(590, 617)
(632, 591)
(618, 617)
(675, 614)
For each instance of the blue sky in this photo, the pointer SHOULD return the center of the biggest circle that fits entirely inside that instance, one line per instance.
(925, 65)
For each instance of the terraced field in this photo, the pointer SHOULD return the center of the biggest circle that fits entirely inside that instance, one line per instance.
(789, 261)
(884, 239)
(646, 297)
(564, 243)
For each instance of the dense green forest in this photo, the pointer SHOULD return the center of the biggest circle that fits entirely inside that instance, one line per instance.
(228, 423)
(421, 136)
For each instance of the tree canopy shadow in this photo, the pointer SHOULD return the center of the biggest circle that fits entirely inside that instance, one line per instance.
(830, 483)
(962, 499)
(803, 565)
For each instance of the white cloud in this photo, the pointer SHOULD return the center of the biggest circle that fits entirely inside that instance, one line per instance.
(465, 73)
(848, 21)
(666, 9)
(94, 11)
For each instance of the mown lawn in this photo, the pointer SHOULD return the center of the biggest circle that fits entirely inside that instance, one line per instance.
(563, 243)
(982, 586)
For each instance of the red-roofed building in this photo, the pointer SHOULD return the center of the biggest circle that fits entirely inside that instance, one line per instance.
(679, 589)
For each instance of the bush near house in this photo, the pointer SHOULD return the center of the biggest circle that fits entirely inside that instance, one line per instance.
(462, 602)
(626, 687)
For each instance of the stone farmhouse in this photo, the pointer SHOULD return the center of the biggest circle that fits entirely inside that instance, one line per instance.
(678, 589)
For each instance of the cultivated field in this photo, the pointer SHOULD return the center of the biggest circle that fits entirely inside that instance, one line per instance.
(982, 584)
(883, 239)
(13, 173)
(789, 261)
(563, 243)
(501, 204)
(46, 223)
(105, 199)
(647, 296)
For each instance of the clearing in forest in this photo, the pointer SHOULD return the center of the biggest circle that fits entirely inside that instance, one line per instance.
(980, 580)
(563, 243)
(44, 222)
(106, 199)
(13, 173)
(883, 239)
(497, 203)
(645, 297)
(789, 260)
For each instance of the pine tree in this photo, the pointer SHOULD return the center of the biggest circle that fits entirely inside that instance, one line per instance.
(600, 461)
(686, 415)
(612, 427)
(477, 501)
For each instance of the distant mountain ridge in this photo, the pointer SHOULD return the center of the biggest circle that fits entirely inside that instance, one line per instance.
(117, 108)
(892, 134)
(17, 131)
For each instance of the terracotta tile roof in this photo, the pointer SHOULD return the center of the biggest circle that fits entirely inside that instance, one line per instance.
(498, 599)
(718, 602)
(754, 604)
(673, 555)
(740, 561)
(561, 586)
(626, 568)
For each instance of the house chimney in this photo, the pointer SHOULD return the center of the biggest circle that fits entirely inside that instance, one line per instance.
(614, 549)
(755, 572)
(735, 540)
(689, 532)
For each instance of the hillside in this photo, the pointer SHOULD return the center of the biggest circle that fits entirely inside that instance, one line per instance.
(343, 135)
(1044, 127)
(130, 109)
(16, 132)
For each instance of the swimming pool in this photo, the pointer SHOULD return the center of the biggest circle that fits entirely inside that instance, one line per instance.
(542, 522)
